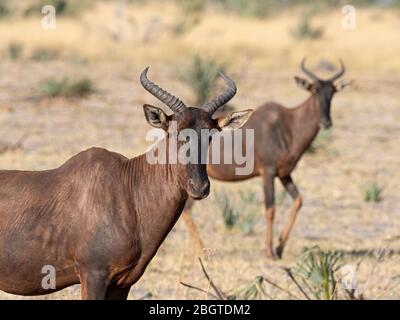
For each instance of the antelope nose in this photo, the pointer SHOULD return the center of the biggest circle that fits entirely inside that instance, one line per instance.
(199, 189)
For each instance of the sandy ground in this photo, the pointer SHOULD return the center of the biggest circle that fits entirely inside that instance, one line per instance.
(363, 147)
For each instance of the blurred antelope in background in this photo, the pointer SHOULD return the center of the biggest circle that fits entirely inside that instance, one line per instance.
(281, 136)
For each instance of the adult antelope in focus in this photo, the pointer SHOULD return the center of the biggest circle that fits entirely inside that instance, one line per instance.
(100, 218)
(281, 136)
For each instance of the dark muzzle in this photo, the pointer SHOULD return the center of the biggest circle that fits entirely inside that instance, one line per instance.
(198, 189)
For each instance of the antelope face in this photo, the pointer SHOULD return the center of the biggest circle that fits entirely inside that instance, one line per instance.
(324, 90)
(192, 130)
(196, 127)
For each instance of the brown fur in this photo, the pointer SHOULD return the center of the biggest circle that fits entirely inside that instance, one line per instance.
(99, 218)
(85, 215)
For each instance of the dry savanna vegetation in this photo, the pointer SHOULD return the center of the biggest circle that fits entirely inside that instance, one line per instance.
(68, 89)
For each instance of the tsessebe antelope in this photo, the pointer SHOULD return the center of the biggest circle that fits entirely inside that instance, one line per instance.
(281, 136)
(100, 218)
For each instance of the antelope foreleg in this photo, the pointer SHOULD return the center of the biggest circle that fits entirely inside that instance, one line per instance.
(292, 190)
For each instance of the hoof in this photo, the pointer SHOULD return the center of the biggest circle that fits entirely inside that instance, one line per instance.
(279, 252)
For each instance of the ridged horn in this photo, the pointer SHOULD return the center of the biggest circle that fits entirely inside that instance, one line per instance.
(170, 100)
(217, 102)
(308, 72)
(340, 73)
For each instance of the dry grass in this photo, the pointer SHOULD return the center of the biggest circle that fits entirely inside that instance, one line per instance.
(363, 146)
(146, 33)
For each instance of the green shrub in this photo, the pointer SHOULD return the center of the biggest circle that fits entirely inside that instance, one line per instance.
(43, 54)
(241, 213)
(79, 60)
(63, 7)
(316, 269)
(320, 142)
(14, 50)
(230, 214)
(67, 88)
(4, 11)
(304, 29)
(254, 8)
(373, 193)
(249, 208)
(190, 16)
(191, 7)
(200, 74)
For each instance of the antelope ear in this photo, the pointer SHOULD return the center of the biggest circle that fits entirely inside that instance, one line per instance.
(234, 120)
(339, 86)
(155, 117)
(303, 83)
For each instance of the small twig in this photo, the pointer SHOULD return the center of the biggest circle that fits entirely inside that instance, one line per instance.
(335, 287)
(350, 294)
(145, 296)
(261, 289)
(290, 274)
(219, 293)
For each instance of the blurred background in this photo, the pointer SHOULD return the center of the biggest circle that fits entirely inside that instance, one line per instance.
(75, 86)
(260, 33)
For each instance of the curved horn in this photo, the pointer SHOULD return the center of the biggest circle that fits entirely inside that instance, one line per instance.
(212, 105)
(170, 100)
(340, 73)
(308, 72)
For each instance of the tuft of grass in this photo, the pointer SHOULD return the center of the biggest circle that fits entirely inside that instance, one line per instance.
(4, 10)
(320, 141)
(79, 60)
(200, 74)
(14, 50)
(229, 212)
(249, 208)
(63, 7)
(241, 214)
(191, 15)
(191, 7)
(253, 9)
(185, 24)
(67, 88)
(43, 54)
(373, 192)
(304, 29)
(264, 8)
